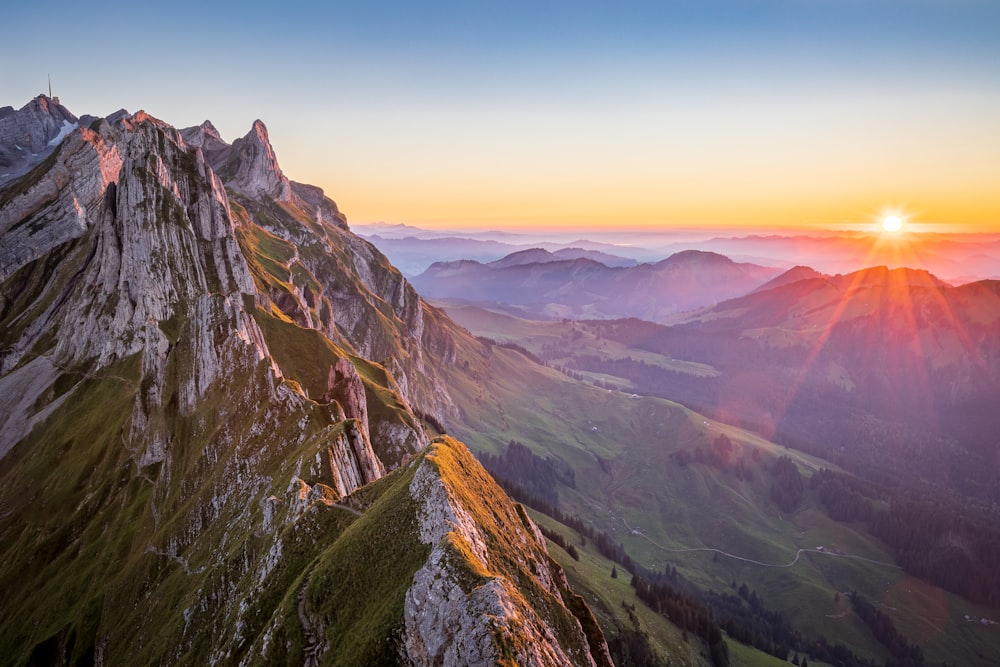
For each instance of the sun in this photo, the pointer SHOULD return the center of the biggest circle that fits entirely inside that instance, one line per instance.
(892, 223)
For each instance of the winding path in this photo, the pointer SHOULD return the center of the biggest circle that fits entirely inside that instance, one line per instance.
(798, 554)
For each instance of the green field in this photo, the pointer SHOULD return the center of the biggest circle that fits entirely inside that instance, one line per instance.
(629, 484)
(558, 341)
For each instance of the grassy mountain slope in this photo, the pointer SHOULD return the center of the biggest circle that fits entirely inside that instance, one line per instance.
(625, 451)
(203, 386)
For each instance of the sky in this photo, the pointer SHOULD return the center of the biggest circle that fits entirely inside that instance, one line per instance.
(813, 114)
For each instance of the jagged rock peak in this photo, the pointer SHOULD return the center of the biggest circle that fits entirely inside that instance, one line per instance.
(202, 135)
(259, 130)
(30, 134)
(116, 116)
(253, 168)
(139, 117)
(209, 129)
(50, 106)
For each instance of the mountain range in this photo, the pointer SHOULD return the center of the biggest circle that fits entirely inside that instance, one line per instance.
(537, 283)
(887, 370)
(957, 257)
(231, 432)
(218, 440)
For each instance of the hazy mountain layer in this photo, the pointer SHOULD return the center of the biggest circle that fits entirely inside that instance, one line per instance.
(539, 285)
(956, 257)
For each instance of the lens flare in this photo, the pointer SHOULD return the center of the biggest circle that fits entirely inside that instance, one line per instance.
(892, 223)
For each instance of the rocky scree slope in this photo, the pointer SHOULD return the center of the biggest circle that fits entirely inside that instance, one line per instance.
(198, 362)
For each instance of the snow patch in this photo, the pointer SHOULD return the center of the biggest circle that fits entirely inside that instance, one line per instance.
(66, 128)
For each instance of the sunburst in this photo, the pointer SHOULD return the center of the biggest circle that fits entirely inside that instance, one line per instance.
(892, 223)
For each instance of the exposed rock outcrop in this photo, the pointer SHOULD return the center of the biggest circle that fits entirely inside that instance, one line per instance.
(29, 134)
(199, 365)
(489, 592)
(344, 385)
(252, 168)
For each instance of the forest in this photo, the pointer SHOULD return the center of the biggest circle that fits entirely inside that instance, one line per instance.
(705, 614)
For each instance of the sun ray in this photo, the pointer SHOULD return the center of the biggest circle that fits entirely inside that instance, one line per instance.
(821, 341)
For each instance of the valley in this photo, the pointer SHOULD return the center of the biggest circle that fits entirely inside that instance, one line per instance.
(673, 500)
(234, 433)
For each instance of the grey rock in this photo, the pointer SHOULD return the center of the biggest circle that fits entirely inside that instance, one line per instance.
(27, 135)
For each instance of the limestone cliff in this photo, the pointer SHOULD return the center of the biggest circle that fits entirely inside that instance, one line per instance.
(29, 134)
(205, 378)
(470, 581)
(488, 593)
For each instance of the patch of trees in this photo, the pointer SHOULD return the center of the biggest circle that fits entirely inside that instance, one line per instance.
(844, 498)
(722, 455)
(746, 619)
(901, 652)
(511, 346)
(534, 476)
(559, 539)
(685, 612)
(786, 486)
(932, 537)
(943, 546)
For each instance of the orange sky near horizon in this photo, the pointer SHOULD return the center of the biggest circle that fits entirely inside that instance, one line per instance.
(778, 114)
(603, 206)
(736, 160)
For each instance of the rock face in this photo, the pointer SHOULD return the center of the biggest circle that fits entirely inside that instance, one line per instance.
(29, 134)
(199, 364)
(465, 606)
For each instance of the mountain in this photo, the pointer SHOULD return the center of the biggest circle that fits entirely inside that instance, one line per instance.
(535, 283)
(541, 256)
(413, 255)
(956, 257)
(792, 275)
(216, 402)
(28, 135)
(215, 409)
(884, 371)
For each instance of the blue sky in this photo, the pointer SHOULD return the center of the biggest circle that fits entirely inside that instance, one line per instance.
(798, 112)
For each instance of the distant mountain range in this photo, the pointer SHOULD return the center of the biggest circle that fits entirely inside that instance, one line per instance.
(955, 257)
(892, 368)
(223, 418)
(539, 284)
(414, 255)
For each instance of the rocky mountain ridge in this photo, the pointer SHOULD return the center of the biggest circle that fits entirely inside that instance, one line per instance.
(28, 135)
(201, 360)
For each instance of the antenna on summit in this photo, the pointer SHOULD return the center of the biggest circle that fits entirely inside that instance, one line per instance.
(54, 99)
